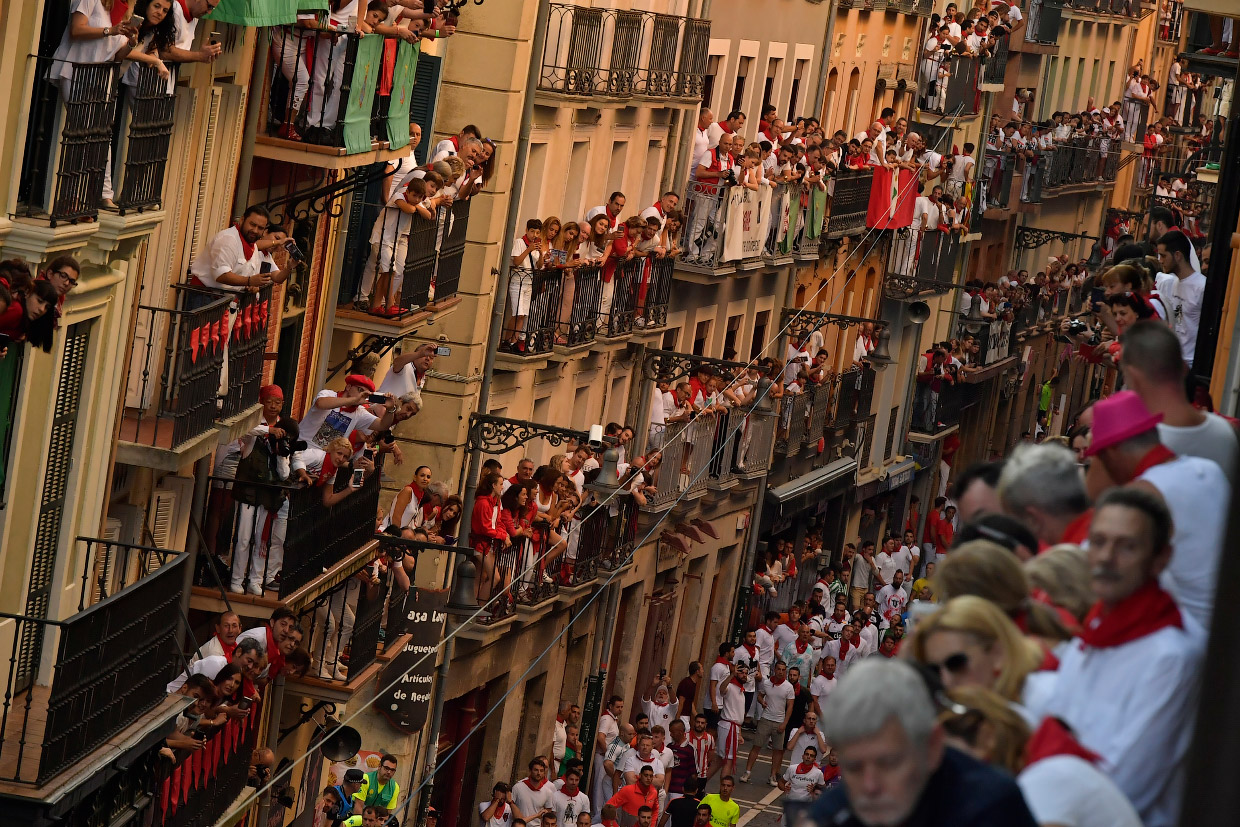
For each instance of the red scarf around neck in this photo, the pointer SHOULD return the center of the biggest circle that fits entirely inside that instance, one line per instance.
(1139, 615)
(725, 127)
(1155, 456)
(246, 247)
(736, 682)
(346, 408)
(803, 768)
(526, 782)
(184, 4)
(1052, 738)
(724, 661)
(752, 650)
(845, 645)
(767, 629)
(800, 647)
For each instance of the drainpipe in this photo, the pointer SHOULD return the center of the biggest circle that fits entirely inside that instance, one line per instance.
(681, 174)
(275, 699)
(741, 604)
(241, 193)
(488, 371)
(824, 66)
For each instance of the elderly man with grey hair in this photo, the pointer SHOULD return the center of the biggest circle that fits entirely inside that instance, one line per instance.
(1042, 486)
(896, 768)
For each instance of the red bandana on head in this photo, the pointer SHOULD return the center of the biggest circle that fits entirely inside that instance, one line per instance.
(1142, 613)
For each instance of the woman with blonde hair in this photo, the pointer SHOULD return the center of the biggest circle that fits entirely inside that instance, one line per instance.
(1062, 573)
(987, 569)
(1059, 778)
(971, 642)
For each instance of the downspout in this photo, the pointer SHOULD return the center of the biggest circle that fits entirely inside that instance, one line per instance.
(488, 370)
(681, 173)
(253, 110)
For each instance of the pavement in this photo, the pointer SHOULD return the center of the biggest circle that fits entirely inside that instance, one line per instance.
(761, 804)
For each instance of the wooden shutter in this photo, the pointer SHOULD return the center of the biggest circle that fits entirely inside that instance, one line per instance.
(422, 102)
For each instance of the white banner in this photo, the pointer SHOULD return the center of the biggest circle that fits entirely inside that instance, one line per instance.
(748, 218)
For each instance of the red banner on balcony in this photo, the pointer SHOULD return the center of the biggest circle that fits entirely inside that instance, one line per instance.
(891, 199)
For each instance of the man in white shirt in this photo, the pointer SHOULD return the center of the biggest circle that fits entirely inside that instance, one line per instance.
(1155, 370)
(908, 556)
(720, 673)
(823, 684)
(730, 701)
(569, 801)
(453, 143)
(892, 599)
(701, 138)
(807, 735)
(775, 705)
(615, 203)
(335, 414)
(747, 655)
(532, 794)
(885, 562)
(765, 637)
(1182, 288)
(1127, 685)
(234, 258)
(802, 781)
(735, 123)
(248, 656)
(641, 757)
(607, 764)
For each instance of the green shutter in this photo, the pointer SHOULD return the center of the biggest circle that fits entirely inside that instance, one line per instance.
(10, 387)
(422, 102)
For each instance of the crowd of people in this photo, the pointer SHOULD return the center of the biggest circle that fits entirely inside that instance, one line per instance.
(31, 301)
(978, 34)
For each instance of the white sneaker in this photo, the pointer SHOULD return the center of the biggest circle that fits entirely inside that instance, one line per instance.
(745, 778)
(236, 589)
(547, 578)
(773, 781)
(254, 589)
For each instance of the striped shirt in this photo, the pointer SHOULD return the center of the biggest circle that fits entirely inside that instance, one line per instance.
(703, 745)
(684, 765)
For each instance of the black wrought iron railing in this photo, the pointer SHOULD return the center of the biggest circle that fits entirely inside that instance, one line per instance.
(1044, 19)
(793, 416)
(621, 284)
(850, 382)
(181, 354)
(68, 139)
(850, 199)
(922, 261)
(583, 293)
(111, 661)
(247, 342)
(705, 207)
(151, 114)
(619, 53)
(343, 624)
(331, 104)
(994, 66)
(201, 785)
(532, 317)
(949, 84)
(1129, 9)
(996, 179)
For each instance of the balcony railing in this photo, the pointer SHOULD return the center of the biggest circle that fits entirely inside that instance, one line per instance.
(935, 411)
(994, 69)
(343, 625)
(150, 132)
(706, 212)
(850, 200)
(1130, 9)
(1044, 20)
(1081, 160)
(1170, 18)
(247, 343)
(793, 419)
(333, 104)
(205, 783)
(1136, 114)
(181, 354)
(954, 89)
(996, 179)
(922, 260)
(111, 661)
(68, 140)
(617, 53)
(309, 538)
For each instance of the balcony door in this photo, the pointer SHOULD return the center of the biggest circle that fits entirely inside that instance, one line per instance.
(55, 492)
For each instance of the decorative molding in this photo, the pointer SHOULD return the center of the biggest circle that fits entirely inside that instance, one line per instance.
(673, 366)
(1031, 238)
(499, 435)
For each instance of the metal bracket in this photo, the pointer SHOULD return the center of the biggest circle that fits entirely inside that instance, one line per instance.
(307, 712)
(498, 435)
(901, 288)
(801, 323)
(1031, 238)
(672, 365)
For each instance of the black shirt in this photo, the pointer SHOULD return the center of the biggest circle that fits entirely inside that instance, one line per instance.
(962, 792)
(800, 705)
(683, 810)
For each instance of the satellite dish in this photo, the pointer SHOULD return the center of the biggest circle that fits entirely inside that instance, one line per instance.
(918, 312)
(342, 744)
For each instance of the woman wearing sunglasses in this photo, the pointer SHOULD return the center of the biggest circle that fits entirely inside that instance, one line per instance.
(971, 642)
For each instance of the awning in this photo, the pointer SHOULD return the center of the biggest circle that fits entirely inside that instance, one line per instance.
(829, 481)
(264, 12)
(899, 474)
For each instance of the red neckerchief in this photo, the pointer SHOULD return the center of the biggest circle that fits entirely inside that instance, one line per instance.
(739, 684)
(658, 205)
(184, 4)
(885, 654)
(456, 143)
(1078, 530)
(246, 247)
(1053, 738)
(767, 629)
(696, 387)
(228, 650)
(1049, 663)
(800, 647)
(1139, 615)
(794, 627)
(777, 683)
(724, 126)
(1155, 456)
(327, 470)
(845, 645)
(345, 408)
(500, 810)
(804, 768)
(723, 661)
(275, 660)
(526, 238)
(526, 782)
(418, 493)
(752, 650)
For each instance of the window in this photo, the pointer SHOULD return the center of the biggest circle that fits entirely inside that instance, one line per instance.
(615, 173)
(729, 338)
(893, 423)
(670, 337)
(10, 386)
(654, 168)
(738, 91)
(768, 90)
(701, 338)
(708, 81)
(581, 406)
(572, 206)
(761, 320)
(795, 92)
(531, 193)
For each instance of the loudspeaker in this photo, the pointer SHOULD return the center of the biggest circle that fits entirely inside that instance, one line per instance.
(342, 744)
(918, 312)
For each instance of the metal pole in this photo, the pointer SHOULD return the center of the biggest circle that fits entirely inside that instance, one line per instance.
(1226, 214)
(275, 699)
(241, 194)
(741, 604)
(488, 371)
(824, 66)
(687, 125)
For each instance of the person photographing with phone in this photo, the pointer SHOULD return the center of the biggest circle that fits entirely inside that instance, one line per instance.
(249, 255)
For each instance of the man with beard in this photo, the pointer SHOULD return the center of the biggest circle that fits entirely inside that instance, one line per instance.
(896, 767)
(233, 259)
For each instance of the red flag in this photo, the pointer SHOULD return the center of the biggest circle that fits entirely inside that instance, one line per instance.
(892, 199)
(193, 346)
(215, 334)
(249, 319)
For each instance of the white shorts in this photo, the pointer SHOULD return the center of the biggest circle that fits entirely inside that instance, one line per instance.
(520, 291)
(729, 740)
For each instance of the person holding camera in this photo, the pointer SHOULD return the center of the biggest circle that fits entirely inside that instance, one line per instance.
(339, 413)
(263, 467)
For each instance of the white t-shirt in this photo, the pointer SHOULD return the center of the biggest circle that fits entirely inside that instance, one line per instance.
(751, 661)
(567, 807)
(1068, 790)
(777, 696)
(633, 762)
(766, 649)
(1183, 298)
(602, 210)
(1213, 439)
(701, 143)
(531, 801)
(821, 688)
(519, 247)
(802, 738)
(903, 558)
(886, 565)
(661, 714)
(209, 666)
(321, 425)
(801, 784)
(497, 820)
(719, 674)
(891, 602)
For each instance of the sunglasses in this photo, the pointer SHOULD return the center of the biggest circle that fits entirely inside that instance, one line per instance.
(955, 663)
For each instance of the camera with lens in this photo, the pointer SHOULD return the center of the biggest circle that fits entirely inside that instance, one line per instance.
(1075, 328)
(729, 177)
(286, 446)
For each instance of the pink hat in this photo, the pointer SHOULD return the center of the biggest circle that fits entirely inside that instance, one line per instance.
(1117, 418)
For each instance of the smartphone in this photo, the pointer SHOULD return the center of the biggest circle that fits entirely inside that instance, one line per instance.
(358, 477)
(214, 39)
(244, 703)
(376, 398)
(1096, 295)
(137, 21)
(198, 735)
(5, 340)
(290, 246)
(368, 453)
(443, 350)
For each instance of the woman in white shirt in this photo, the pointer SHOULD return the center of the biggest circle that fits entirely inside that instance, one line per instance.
(1059, 778)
